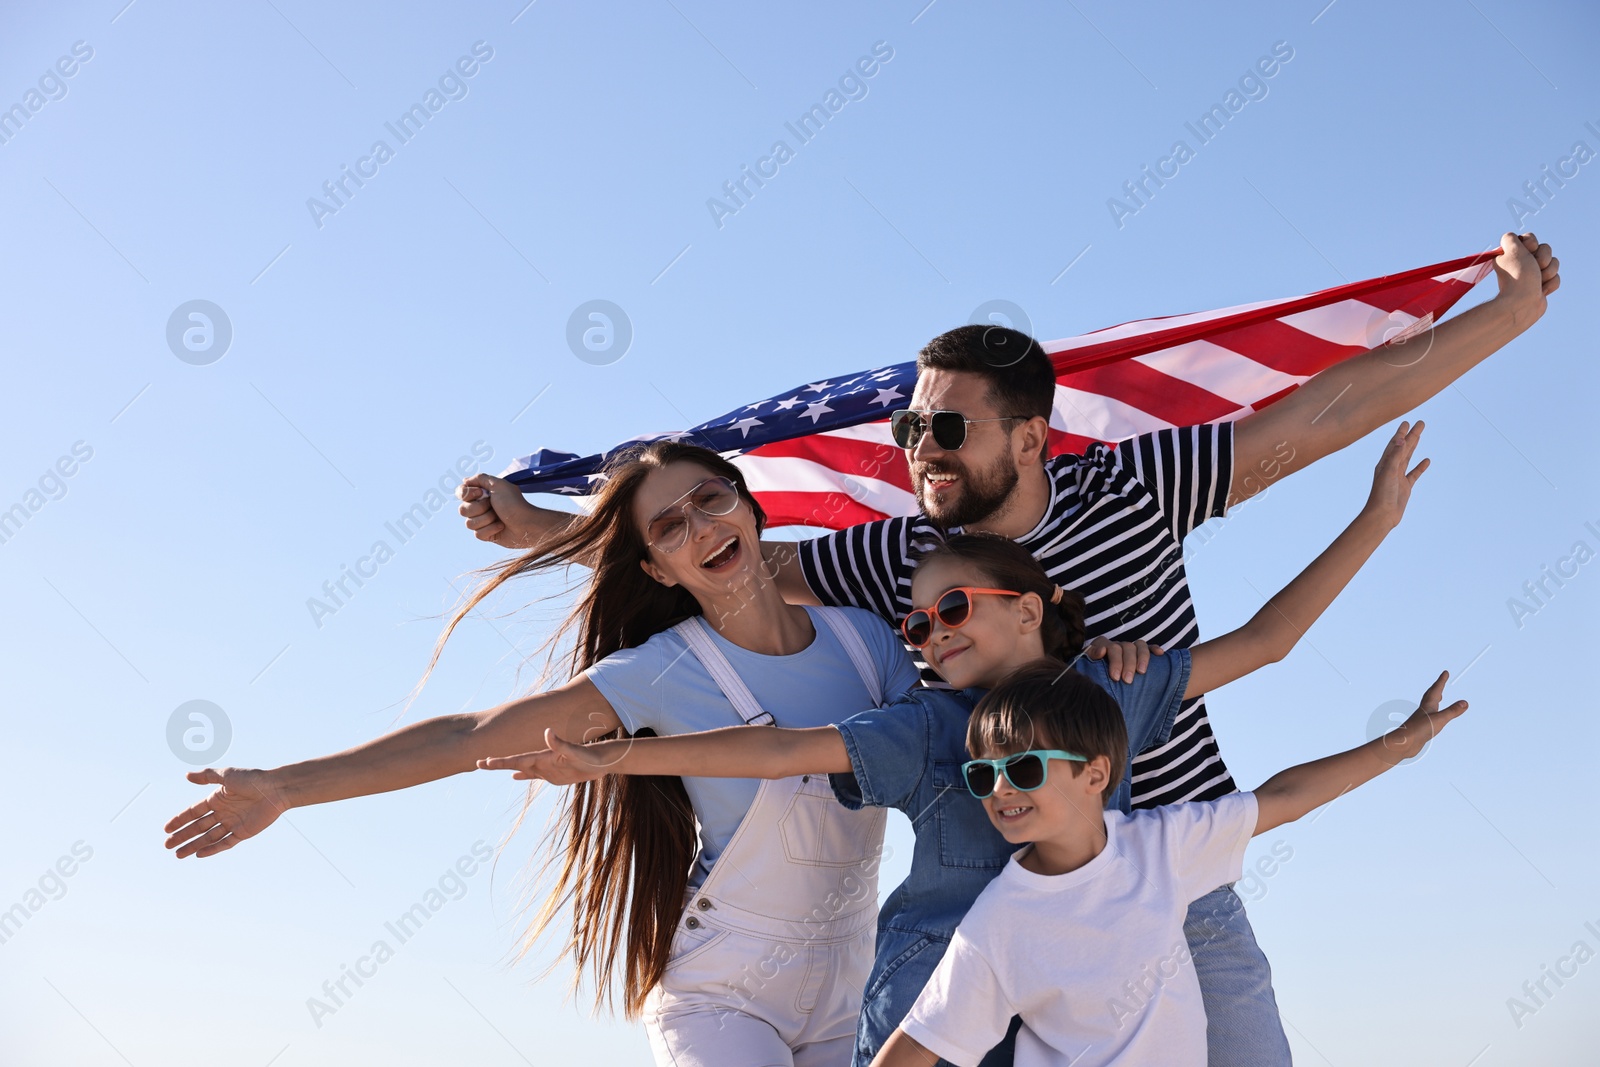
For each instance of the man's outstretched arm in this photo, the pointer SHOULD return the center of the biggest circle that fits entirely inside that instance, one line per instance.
(1352, 398)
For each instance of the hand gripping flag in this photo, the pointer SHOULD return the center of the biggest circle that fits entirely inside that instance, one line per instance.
(821, 454)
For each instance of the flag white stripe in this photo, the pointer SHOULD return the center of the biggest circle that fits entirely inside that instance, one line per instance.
(1350, 322)
(1220, 371)
(1103, 418)
(790, 474)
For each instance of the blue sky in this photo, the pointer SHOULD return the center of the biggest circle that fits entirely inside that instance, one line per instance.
(424, 323)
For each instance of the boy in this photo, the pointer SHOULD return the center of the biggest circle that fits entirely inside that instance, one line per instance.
(1082, 933)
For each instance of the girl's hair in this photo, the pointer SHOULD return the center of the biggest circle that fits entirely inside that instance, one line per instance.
(1045, 704)
(1005, 564)
(629, 840)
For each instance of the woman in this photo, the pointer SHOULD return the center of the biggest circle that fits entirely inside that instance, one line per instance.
(681, 628)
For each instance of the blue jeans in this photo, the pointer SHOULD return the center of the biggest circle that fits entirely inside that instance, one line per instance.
(1242, 1024)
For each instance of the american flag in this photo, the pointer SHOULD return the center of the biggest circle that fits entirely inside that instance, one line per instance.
(821, 455)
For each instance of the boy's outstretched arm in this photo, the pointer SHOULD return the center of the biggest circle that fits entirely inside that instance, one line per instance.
(1284, 619)
(1289, 794)
(732, 752)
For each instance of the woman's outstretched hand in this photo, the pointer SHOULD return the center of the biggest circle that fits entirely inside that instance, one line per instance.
(244, 803)
(563, 763)
(1391, 484)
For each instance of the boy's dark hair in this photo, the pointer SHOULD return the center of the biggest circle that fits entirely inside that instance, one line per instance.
(1019, 374)
(1045, 705)
(1005, 564)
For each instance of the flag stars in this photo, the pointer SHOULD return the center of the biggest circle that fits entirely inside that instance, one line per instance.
(744, 426)
(816, 410)
(785, 405)
(820, 387)
(889, 395)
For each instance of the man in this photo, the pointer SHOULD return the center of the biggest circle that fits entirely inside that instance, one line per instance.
(1110, 525)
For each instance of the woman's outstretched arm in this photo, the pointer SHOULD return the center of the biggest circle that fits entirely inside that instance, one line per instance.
(732, 752)
(1284, 619)
(247, 801)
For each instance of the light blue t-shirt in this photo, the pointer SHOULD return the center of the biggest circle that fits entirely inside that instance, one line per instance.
(661, 685)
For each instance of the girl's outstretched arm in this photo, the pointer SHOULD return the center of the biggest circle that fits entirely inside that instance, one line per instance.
(247, 801)
(1289, 794)
(731, 752)
(1284, 619)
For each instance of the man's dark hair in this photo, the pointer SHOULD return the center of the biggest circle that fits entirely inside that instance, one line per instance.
(1020, 378)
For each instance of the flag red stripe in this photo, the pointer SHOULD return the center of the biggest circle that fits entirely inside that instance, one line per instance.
(1283, 348)
(849, 455)
(1062, 443)
(833, 511)
(1279, 395)
(1170, 399)
(1424, 293)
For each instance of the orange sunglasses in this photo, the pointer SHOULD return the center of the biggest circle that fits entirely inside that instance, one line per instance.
(953, 609)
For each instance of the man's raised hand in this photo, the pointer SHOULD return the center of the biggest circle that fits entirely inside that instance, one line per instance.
(1528, 272)
(1123, 659)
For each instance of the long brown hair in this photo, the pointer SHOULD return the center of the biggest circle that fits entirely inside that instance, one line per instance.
(629, 840)
(1005, 564)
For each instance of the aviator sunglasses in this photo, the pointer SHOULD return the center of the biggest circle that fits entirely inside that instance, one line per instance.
(669, 530)
(1025, 771)
(953, 610)
(949, 427)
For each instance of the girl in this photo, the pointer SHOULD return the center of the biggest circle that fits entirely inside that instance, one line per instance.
(984, 609)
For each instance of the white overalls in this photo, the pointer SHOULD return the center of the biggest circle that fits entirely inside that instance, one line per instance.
(770, 957)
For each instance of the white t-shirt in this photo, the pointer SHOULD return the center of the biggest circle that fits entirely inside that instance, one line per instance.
(1094, 960)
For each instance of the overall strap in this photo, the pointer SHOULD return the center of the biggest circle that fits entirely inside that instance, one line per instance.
(697, 634)
(856, 649)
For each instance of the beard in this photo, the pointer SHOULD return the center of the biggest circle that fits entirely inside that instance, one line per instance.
(978, 498)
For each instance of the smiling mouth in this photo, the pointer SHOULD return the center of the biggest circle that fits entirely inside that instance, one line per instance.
(1013, 812)
(722, 555)
(940, 481)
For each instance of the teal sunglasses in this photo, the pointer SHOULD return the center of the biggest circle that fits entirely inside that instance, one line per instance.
(1024, 770)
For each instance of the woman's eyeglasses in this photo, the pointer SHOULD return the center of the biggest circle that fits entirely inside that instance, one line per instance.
(669, 530)
(953, 609)
(949, 427)
(1026, 771)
